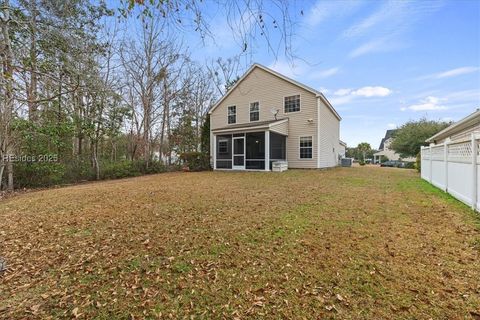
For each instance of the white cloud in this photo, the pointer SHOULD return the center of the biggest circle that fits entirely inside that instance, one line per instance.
(326, 73)
(451, 73)
(365, 48)
(391, 126)
(342, 92)
(346, 95)
(366, 92)
(457, 72)
(428, 104)
(392, 16)
(324, 10)
(336, 101)
(289, 69)
(372, 92)
(384, 44)
(385, 27)
(299, 68)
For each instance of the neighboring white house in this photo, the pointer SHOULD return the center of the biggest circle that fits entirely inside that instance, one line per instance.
(267, 117)
(385, 150)
(451, 161)
(343, 149)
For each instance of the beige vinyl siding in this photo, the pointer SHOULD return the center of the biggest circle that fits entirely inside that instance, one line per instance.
(465, 133)
(281, 128)
(329, 132)
(270, 90)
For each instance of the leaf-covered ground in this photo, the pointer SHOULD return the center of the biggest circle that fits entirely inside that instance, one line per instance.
(347, 243)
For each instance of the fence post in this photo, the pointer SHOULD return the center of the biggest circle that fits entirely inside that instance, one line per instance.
(431, 162)
(445, 162)
(474, 172)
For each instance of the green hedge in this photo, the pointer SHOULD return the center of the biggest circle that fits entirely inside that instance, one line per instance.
(196, 161)
(36, 174)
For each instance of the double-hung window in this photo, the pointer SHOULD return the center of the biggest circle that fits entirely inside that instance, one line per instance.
(306, 148)
(232, 114)
(254, 111)
(292, 103)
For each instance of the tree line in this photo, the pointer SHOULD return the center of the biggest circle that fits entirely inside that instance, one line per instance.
(91, 92)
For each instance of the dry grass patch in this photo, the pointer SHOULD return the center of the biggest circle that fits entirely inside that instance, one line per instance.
(349, 243)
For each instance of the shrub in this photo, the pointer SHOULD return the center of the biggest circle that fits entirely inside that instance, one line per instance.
(362, 163)
(78, 170)
(122, 169)
(45, 174)
(38, 174)
(155, 167)
(196, 161)
(418, 163)
(410, 165)
(128, 168)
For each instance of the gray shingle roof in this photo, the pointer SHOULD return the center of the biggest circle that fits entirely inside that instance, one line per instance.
(249, 125)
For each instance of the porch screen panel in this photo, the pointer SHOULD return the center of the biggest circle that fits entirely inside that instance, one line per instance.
(255, 150)
(224, 152)
(278, 146)
(238, 152)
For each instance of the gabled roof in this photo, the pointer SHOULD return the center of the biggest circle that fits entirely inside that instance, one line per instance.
(381, 144)
(388, 135)
(317, 93)
(458, 126)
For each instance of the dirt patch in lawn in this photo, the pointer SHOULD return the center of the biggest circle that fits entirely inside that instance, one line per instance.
(348, 243)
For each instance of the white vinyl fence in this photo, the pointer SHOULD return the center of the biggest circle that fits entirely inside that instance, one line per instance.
(453, 167)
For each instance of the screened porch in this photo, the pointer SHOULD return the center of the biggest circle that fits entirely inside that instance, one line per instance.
(249, 150)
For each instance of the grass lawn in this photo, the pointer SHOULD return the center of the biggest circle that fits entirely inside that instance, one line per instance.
(347, 243)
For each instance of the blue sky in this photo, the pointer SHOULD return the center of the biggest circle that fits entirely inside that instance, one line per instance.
(380, 63)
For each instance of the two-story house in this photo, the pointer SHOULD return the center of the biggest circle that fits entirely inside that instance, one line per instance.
(267, 117)
(384, 150)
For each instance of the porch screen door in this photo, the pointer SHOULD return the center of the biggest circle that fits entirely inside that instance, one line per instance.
(239, 153)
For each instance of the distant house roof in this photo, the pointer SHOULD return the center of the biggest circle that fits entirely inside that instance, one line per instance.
(388, 135)
(458, 126)
(342, 143)
(317, 93)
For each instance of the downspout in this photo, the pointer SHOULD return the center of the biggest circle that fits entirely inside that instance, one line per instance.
(318, 132)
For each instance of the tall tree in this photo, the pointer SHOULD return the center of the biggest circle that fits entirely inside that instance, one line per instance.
(409, 138)
(364, 148)
(6, 113)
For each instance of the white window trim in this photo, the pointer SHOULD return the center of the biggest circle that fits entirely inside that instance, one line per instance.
(228, 114)
(250, 113)
(299, 139)
(291, 95)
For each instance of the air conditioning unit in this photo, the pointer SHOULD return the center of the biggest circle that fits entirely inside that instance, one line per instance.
(346, 162)
(279, 166)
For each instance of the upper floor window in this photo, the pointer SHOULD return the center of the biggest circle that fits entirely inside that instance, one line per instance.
(306, 147)
(292, 103)
(254, 111)
(232, 114)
